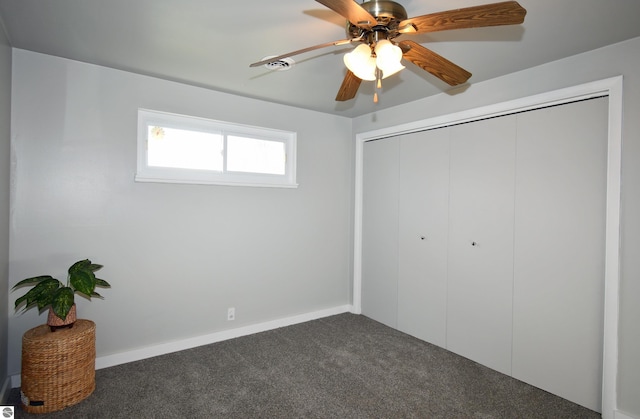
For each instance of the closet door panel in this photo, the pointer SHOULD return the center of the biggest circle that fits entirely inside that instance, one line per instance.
(559, 250)
(423, 230)
(479, 307)
(380, 231)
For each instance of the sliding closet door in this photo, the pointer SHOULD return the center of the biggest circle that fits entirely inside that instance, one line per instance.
(559, 250)
(380, 231)
(479, 305)
(423, 230)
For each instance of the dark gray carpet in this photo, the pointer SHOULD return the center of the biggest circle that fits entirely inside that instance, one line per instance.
(344, 366)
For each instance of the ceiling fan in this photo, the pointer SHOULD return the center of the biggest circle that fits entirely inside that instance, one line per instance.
(376, 23)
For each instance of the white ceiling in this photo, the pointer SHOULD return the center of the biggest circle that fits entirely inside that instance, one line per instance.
(211, 43)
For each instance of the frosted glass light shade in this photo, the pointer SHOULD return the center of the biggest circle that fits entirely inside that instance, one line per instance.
(391, 69)
(361, 63)
(388, 58)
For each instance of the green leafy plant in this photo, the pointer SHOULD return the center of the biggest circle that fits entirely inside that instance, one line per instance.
(50, 292)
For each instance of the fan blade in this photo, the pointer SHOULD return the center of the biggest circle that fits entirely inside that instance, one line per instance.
(434, 63)
(349, 87)
(300, 51)
(352, 11)
(496, 14)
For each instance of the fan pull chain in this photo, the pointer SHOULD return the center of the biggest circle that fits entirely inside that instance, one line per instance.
(378, 85)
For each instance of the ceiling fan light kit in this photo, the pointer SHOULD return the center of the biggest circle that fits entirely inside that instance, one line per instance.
(376, 23)
(364, 61)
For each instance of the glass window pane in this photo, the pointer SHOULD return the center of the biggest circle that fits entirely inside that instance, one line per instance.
(176, 148)
(255, 156)
(185, 149)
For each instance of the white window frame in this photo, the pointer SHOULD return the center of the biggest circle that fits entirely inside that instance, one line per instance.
(146, 173)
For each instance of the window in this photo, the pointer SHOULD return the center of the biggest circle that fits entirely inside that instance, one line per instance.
(183, 149)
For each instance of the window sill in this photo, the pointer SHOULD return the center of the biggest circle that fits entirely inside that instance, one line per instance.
(147, 179)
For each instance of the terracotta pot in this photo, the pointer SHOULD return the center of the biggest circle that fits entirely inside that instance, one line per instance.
(55, 321)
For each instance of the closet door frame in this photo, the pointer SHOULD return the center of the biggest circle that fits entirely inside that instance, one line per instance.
(611, 87)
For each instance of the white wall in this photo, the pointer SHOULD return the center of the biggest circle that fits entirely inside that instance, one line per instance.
(176, 255)
(5, 135)
(620, 59)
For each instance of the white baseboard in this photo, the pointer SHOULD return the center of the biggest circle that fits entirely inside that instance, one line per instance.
(4, 390)
(621, 415)
(169, 347)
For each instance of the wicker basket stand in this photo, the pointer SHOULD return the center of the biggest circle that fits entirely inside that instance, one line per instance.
(58, 368)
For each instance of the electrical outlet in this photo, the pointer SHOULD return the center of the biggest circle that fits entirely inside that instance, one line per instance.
(231, 313)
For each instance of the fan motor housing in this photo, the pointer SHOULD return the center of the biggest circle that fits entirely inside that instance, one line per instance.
(387, 13)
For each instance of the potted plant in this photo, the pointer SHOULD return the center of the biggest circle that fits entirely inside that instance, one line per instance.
(49, 292)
